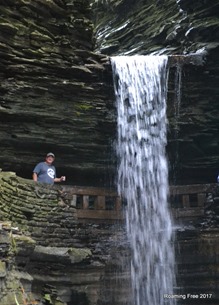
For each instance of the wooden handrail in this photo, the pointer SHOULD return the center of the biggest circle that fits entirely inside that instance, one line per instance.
(174, 190)
(89, 191)
(103, 203)
(191, 189)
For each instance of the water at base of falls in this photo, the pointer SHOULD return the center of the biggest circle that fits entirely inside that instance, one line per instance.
(140, 84)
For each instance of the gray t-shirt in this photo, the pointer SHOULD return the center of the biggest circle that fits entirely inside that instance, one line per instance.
(45, 173)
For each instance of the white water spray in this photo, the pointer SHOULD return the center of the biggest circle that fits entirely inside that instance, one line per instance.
(140, 86)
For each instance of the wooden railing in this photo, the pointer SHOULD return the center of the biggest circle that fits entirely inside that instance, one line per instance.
(96, 203)
(189, 200)
(100, 203)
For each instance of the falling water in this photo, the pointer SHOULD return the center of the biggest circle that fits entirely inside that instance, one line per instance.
(140, 86)
(177, 106)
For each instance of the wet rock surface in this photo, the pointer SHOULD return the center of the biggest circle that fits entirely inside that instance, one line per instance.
(196, 252)
(155, 27)
(193, 112)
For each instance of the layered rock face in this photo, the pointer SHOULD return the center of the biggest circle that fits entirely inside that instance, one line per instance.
(172, 27)
(155, 27)
(55, 91)
(56, 95)
(56, 84)
(193, 112)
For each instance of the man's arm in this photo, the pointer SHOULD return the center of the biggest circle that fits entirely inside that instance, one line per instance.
(59, 179)
(34, 177)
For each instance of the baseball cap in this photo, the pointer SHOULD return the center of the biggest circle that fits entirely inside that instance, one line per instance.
(50, 154)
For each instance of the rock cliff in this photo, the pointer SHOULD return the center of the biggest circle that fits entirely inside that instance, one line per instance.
(56, 83)
(56, 92)
(128, 27)
(155, 27)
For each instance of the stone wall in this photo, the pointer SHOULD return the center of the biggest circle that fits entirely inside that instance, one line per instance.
(46, 250)
(55, 253)
(36, 209)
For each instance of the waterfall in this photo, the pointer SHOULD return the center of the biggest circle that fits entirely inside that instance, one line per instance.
(140, 84)
(177, 106)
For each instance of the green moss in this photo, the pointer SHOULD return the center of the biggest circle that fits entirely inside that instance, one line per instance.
(78, 255)
(84, 107)
(2, 269)
(13, 244)
(12, 298)
(24, 239)
(47, 298)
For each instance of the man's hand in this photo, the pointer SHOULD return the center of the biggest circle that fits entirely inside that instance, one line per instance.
(62, 178)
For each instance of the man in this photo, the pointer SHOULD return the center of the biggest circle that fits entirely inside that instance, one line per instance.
(45, 172)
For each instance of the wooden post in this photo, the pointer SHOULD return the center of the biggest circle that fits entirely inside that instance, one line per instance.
(201, 199)
(100, 203)
(118, 204)
(85, 202)
(74, 201)
(185, 201)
